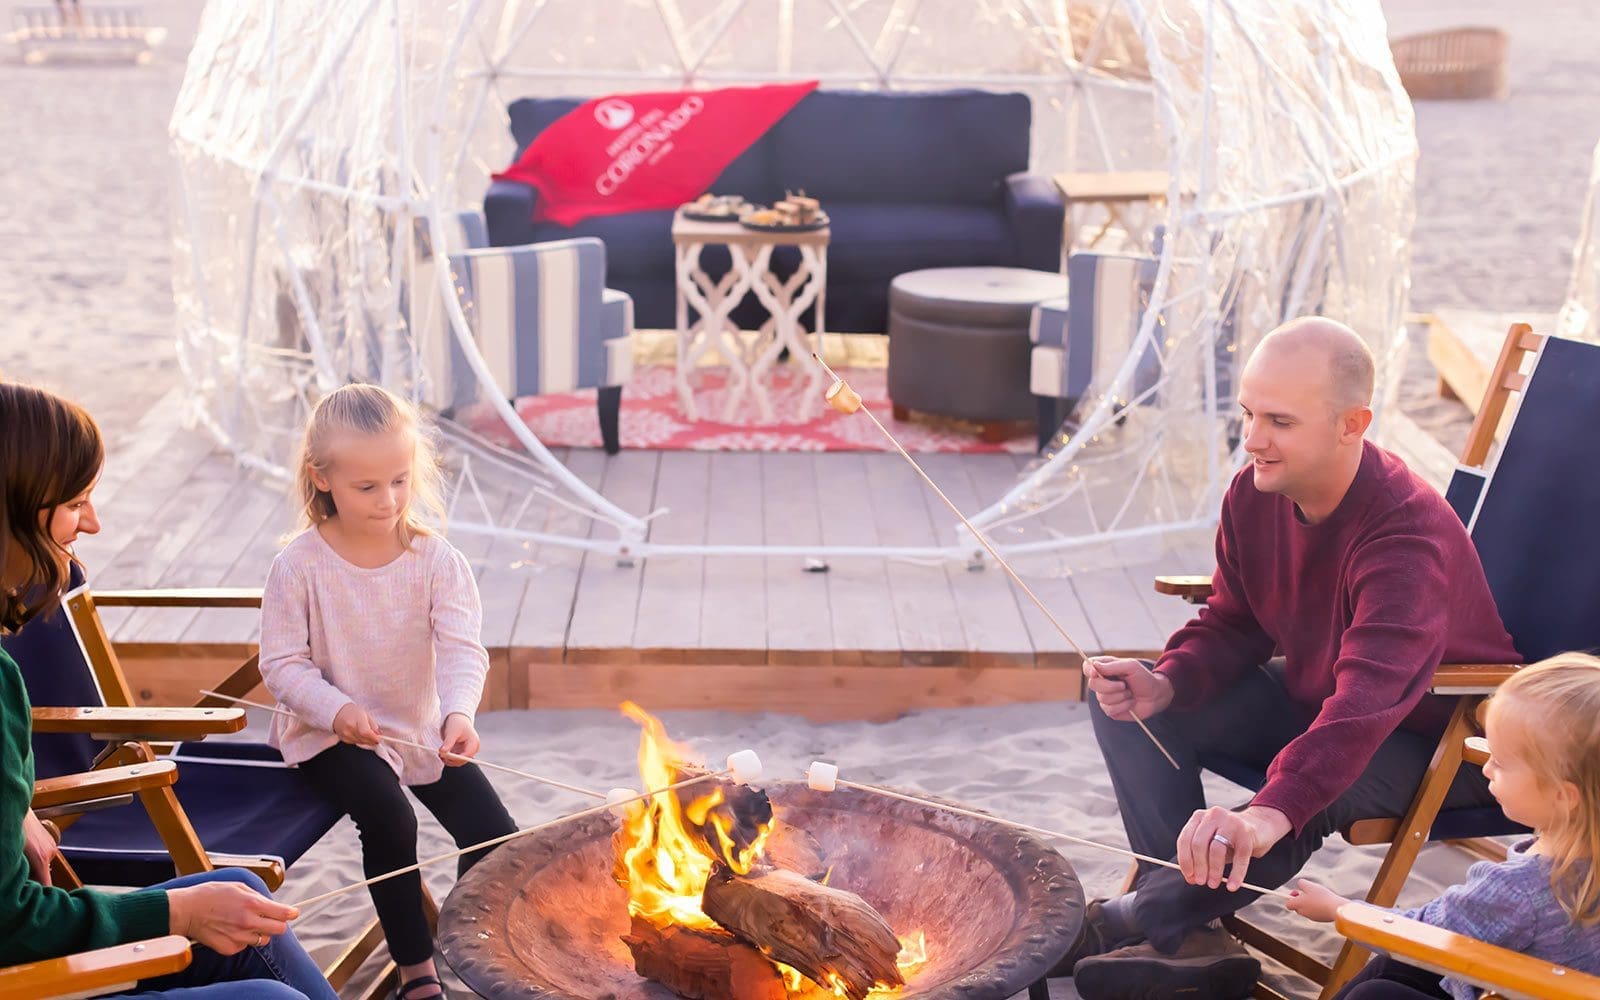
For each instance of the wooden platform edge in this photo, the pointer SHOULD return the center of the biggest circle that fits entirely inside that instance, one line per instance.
(852, 686)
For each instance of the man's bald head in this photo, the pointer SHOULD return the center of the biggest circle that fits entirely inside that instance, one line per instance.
(1331, 346)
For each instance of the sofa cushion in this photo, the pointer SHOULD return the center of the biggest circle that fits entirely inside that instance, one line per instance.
(636, 242)
(951, 146)
(877, 242)
(749, 175)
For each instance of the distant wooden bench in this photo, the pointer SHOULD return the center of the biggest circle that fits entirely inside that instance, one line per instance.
(43, 30)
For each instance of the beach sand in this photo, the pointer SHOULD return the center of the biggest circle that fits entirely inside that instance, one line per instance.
(85, 307)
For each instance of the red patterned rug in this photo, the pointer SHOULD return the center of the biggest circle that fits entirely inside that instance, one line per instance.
(651, 419)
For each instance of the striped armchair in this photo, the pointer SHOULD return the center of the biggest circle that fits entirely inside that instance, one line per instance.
(543, 320)
(1108, 293)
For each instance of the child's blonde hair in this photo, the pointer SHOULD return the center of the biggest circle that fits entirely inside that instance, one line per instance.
(1558, 717)
(372, 410)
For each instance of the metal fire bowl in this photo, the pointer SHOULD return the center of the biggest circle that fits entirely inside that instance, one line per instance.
(542, 918)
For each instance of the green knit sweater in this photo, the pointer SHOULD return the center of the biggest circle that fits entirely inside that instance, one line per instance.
(38, 922)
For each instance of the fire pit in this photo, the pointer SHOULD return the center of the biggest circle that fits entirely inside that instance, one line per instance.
(544, 918)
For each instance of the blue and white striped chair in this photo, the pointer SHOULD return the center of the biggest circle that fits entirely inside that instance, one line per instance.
(1088, 332)
(542, 319)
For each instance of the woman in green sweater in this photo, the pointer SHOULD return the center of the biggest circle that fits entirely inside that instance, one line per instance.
(50, 457)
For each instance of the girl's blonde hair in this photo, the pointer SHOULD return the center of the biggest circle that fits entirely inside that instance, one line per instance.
(367, 409)
(1557, 704)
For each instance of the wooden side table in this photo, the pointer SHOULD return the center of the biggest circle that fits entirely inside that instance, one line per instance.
(751, 273)
(1115, 191)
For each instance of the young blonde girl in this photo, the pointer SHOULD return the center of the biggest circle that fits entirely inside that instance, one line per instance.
(1543, 729)
(370, 627)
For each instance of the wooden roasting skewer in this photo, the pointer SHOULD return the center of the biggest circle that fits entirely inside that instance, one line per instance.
(827, 779)
(591, 793)
(846, 400)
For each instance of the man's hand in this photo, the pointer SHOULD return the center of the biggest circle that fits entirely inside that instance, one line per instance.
(38, 847)
(354, 725)
(226, 917)
(1127, 689)
(460, 740)
(1316, 902)
(1214, 836)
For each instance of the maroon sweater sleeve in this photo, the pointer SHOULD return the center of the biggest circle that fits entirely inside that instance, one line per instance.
(1386, 661)
(1209, 654)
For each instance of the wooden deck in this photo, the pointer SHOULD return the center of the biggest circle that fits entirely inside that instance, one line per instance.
(869, 637)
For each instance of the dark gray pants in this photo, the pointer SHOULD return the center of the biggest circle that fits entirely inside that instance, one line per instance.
(1250, 723)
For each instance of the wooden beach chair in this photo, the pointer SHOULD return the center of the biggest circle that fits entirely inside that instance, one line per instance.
(238, 805)
(1530, 514)
(117, 30)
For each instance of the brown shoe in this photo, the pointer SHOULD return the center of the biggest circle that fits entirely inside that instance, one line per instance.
(1093, 939)
(1211, 964)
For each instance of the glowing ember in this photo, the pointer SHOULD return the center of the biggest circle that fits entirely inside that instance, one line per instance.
(667, 848)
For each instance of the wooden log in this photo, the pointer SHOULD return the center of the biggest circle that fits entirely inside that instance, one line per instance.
(821, 931)
(702, 965)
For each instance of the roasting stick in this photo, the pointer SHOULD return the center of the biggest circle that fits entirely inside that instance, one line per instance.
(844, 399)
(739, 767)
(422, 746)
(824, 777)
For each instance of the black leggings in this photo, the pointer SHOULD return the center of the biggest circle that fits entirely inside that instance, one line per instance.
(1383, 978)
(359, 782)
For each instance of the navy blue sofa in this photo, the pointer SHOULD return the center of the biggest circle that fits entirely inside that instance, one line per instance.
(910, 181)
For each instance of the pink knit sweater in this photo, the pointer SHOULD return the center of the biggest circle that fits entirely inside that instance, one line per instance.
(401, 641)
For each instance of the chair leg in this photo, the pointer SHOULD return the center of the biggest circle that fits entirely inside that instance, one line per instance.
(608, 403)
(1039, 990)
(1052, 412)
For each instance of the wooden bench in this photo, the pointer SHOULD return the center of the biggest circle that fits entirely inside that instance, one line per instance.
(44, 30)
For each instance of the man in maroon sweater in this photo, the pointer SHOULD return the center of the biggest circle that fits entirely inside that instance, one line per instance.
(1334, 555)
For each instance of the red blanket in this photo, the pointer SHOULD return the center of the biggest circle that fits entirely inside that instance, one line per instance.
(632, 152)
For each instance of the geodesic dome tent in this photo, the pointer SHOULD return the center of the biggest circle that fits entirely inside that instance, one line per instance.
(1580, 313)
(322, 150)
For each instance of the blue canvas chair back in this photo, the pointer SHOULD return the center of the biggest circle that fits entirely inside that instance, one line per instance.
(240, 797)
(1534, 514)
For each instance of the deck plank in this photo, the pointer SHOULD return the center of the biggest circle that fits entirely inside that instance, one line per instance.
(926, 618)
(1049, 577)
(545, 615)
(668, 621)
(987, 602)
(733, 597)
(607, 601)
(863, 622)
(799, 618)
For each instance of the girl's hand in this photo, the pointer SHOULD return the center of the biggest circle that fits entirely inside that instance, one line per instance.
(38, 847)
(460, 740)
(354, 725)
(226, 917)
(1316, 902)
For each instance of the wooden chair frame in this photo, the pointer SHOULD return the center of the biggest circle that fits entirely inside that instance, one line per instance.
(1469, 684)
(82, 606)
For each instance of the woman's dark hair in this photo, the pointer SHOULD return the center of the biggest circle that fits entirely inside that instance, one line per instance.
(50, 452)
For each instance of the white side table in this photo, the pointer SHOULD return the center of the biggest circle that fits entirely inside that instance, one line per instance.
(748, 365)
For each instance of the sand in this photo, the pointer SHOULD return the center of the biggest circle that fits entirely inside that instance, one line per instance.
(85, 307)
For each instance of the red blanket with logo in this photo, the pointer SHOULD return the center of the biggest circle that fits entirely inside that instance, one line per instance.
(633, 152)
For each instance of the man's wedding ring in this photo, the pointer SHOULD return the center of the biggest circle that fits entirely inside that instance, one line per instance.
(261, 940)
(1224, 841)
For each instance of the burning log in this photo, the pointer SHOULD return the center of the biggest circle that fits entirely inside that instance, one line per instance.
(831, 936)
(702, 964)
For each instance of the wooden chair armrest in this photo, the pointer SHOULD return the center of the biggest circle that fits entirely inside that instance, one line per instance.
(98, 971)
(1476, 751)
(1471, 678)
(70, 788)
(1507, 972)
(1194, 589)
(140, 723)
(180, 597)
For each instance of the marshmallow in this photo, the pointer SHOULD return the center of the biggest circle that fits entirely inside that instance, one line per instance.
(745, 765)
(843, 398)
(822, 776)
(617, 796)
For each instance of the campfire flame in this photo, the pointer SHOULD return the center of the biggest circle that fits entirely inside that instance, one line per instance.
(666, 853)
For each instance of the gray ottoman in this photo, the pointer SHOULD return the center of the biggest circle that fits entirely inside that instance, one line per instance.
(958, 344)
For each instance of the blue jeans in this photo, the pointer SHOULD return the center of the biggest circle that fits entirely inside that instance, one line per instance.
(278, 970)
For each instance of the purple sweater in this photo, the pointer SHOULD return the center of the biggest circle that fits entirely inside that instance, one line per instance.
(1362, 606)
(1512, 905)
